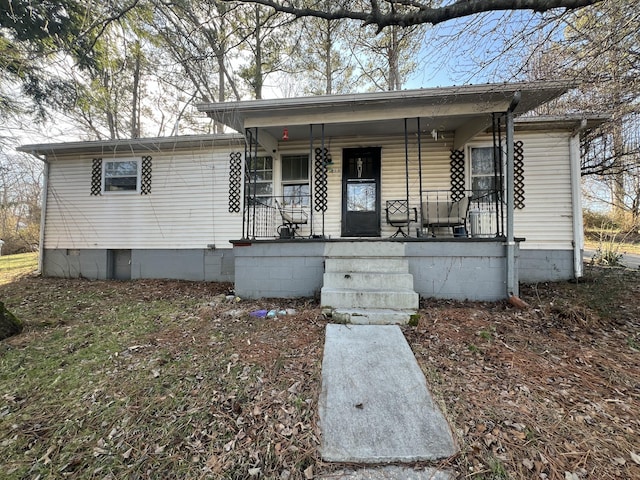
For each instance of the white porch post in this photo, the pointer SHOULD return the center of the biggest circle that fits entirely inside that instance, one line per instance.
(512, 276)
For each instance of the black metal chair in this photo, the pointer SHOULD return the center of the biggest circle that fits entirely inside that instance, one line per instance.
(292, 218)
(399, 216)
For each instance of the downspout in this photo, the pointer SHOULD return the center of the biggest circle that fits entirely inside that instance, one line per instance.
(512, 274)
(43, 209)
(576, 199)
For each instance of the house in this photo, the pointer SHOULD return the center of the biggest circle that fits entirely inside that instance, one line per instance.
(479, 195)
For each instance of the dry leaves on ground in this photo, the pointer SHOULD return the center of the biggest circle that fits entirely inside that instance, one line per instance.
(172, 379)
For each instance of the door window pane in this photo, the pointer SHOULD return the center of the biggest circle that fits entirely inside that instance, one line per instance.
(361, 197)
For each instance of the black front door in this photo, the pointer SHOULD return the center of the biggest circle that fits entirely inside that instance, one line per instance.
(361, 192)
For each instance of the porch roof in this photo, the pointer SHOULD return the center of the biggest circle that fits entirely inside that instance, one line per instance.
(465, 110)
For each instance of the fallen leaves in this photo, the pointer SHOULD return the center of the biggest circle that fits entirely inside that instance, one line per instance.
(186, 391)
(544, 393)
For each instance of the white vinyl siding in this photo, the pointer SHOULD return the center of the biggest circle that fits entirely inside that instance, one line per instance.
(188, 206)
(546, 219)
(545, 222)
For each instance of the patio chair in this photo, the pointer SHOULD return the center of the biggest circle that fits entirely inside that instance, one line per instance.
(292, 218)
(399, 215)
(445, 214)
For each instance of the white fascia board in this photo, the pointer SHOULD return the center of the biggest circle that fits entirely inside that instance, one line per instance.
(137, 145)
(342, 115)
(554, 88)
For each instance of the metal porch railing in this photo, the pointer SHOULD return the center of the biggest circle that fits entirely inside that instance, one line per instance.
(269, 217)
(469, 213)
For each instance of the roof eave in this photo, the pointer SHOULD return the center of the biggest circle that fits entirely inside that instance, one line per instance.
(134, 146)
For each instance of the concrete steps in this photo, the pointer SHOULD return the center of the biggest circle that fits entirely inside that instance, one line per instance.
(368, 284)
(372, 280)
(390, 297)
(366, 265)
(372, 316)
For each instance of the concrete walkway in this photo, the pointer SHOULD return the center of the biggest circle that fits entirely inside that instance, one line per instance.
(375, 406)
(390, 473)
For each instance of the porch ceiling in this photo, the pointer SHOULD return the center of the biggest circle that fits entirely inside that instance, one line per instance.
(464, 110)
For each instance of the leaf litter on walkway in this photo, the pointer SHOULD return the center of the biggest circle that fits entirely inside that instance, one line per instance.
(163, 379)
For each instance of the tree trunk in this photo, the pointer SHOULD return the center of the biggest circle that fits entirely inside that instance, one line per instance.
(327, 59)
(9, 324)
(135, 118)
(110, 116)
(258, 80)
(393, 54)
(619, 190)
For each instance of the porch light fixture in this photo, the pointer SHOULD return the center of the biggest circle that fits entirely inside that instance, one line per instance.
(285, 134)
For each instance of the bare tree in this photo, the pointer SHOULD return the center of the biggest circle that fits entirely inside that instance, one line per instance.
(600, 50)
(267, 39)
(20, 191)
(319, 56)
(386, 59)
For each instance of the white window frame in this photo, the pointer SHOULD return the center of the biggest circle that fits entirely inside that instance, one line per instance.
(266, 199)
(296, 182)
(469, 163)
(120, 160)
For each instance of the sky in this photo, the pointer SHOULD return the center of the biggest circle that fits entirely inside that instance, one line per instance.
(445, 58)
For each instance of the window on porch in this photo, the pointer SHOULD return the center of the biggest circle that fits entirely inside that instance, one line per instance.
(486, 176)
(487, 180)
(295, 180)
(260, 177)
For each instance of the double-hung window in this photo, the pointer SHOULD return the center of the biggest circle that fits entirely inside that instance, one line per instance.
(260, 177)
(486, 174)
(295, 180)
(121, 175)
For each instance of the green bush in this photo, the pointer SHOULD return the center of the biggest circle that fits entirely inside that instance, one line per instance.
(598, 220)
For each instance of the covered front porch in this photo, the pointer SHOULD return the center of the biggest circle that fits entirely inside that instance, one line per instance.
(321, 176)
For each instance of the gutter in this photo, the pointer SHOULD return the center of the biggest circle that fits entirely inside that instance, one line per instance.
(576, 199)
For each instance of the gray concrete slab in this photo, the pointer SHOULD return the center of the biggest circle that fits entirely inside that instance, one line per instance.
(390, 473)
(375, 406)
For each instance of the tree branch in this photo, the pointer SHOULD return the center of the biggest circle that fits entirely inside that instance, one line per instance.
(419, 12)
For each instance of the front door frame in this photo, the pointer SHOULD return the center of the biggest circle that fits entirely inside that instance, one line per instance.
(361, 223)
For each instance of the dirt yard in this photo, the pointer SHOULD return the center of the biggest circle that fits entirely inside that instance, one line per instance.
(159, 379)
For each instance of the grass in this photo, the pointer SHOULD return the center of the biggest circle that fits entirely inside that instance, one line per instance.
(146, 380)
(611, 240)
(154, 379)
(12, 266)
